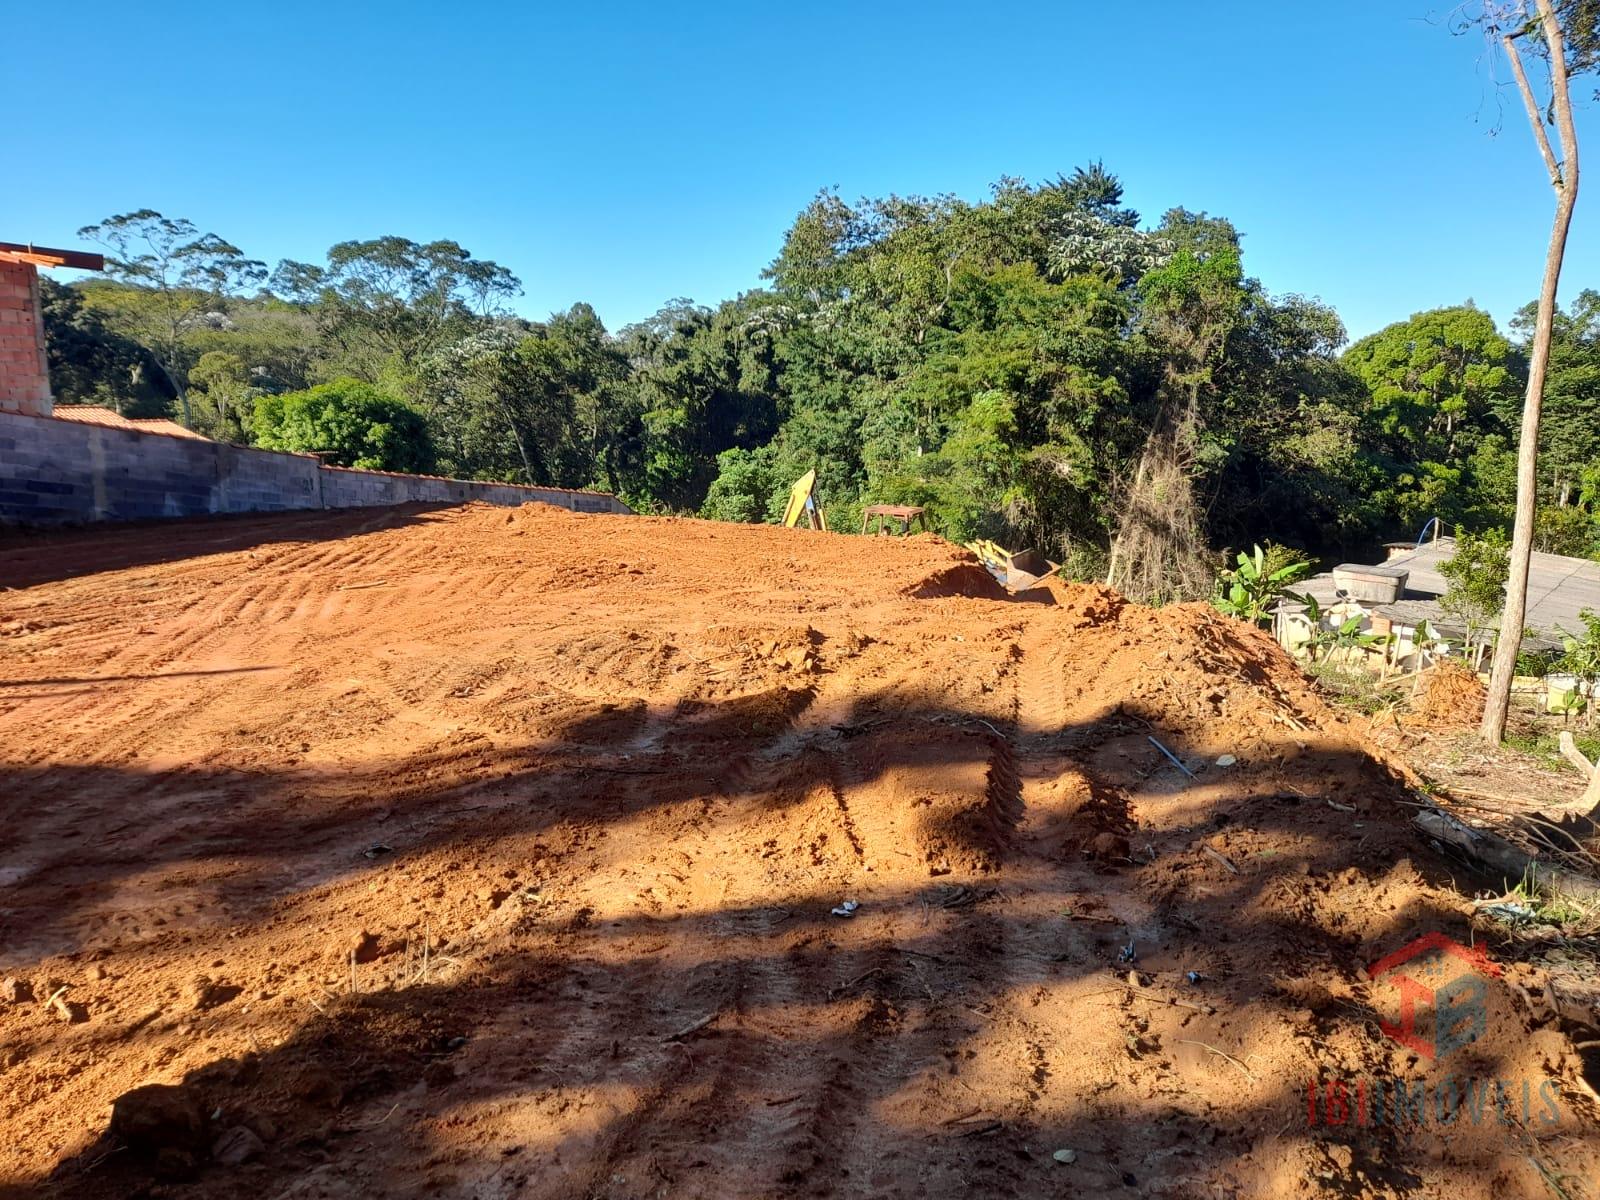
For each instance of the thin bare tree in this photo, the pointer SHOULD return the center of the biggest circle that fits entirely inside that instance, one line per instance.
(1538, 27)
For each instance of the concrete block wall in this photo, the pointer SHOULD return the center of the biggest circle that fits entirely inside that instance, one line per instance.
(24, 370)
(61, 472)
(258, 480)
(343, 487)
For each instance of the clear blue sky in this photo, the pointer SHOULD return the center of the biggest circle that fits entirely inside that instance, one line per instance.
(625, 154)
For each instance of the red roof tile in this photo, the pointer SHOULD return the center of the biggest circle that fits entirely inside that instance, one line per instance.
(95, 414)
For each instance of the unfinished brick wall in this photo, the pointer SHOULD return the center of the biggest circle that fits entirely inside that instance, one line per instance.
(24, 373)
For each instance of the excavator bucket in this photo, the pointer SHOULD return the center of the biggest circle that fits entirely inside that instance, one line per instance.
(1017, 571)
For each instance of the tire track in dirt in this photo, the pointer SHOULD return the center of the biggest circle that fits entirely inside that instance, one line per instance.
(1040, 684)
(842, 802)
(210, 619)
(1003, 788)
(819, 1105)
(738, 972)
(899, 1014)
(628, 821)
(266, 590)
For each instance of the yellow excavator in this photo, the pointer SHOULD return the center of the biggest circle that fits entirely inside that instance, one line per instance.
(803, 502)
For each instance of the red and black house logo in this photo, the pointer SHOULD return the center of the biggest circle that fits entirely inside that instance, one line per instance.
(1436, 974)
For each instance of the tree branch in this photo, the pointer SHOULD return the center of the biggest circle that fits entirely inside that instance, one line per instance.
(1508, 40)
(1561, 93)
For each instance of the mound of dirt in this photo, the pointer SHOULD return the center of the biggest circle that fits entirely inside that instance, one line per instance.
(959, 579)
(550, 855)
(1451, 699)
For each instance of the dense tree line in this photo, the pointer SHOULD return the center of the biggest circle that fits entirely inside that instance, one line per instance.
(1042, 368)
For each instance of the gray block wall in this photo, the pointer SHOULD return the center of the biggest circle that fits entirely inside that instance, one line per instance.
(61, 472)
(343, 487)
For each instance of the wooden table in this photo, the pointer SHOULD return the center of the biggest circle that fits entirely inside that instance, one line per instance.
(903, 514)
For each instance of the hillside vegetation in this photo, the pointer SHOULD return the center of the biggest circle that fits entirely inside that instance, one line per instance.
(1044, 368)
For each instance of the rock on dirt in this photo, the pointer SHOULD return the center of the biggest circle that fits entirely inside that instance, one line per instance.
(16, 991)
(366, 947)
(207, 993)
(1108, 847)
(70, 1011)
(317, 1087)
(237, 1146)
(160, 1117)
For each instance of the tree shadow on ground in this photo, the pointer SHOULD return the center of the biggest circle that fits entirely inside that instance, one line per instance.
(33, 556)
(863, 1092)
(974, 1015)
(243, 840)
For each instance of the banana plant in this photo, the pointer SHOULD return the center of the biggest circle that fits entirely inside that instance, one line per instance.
(1427, 640)
(1568, 703)
(1581, 658)
(1349, 636)
(1344, 636)
(1249, 590)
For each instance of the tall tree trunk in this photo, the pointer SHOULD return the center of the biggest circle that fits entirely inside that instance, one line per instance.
(1564, 179)
(522, 448)
(182, 392)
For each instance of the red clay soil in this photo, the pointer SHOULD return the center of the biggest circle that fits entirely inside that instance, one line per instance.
(488, 853)
(1452, 698)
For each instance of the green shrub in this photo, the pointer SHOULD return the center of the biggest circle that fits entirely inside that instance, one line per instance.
(743, 488)
(350, 423)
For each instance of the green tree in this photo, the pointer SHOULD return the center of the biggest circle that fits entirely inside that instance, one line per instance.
(1438, 385)
(386, 304)
(91, 363)
(745, 487)
(1568, 529)
(704, 382)
(1285, 452)
(277, 342)
(543, 403)
(1006, 363)
(178, 275)
(1475, 577)
(223, 398)
(1569, 425)
(350, 423)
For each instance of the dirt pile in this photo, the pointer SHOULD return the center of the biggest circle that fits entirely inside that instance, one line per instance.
(487, 854)
(1452, 698)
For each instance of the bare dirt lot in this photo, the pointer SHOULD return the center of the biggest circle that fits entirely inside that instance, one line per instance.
(489, 853)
